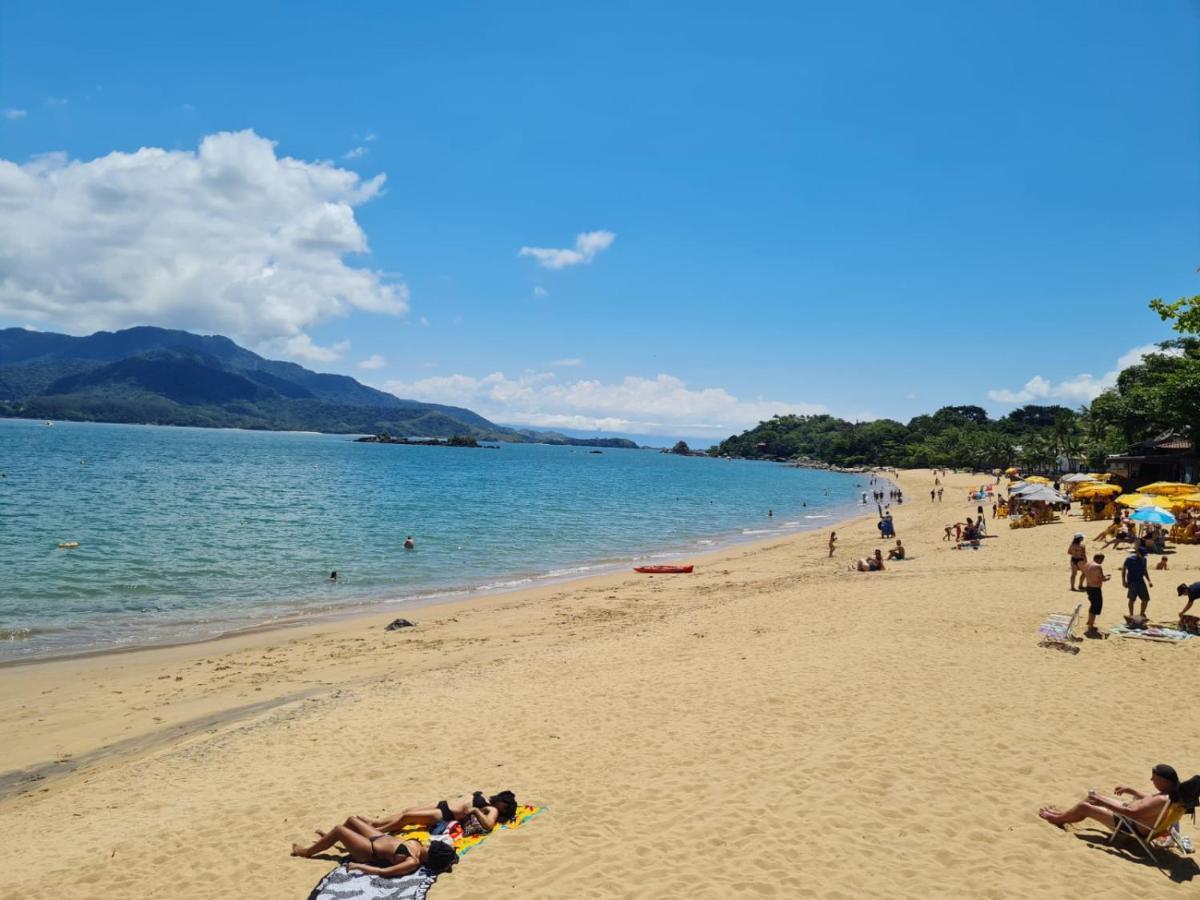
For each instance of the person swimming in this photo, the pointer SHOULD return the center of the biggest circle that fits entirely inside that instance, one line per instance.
(409, 543)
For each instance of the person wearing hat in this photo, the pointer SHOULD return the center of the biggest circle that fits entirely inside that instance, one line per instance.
(1135, 578)
(1143, 809)
(1077, 554)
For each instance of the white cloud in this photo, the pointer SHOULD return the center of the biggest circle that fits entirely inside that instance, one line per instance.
(587, 245)
(12, 113)
(375, 361)
(1082, 388)
(302, 347)
(229, 238)
(540, 291)
(356, 153)
(573, 361)
(371, 137)
(660, 405)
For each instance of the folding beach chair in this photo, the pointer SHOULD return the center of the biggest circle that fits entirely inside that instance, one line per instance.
(1164, 835)
(1059, 630)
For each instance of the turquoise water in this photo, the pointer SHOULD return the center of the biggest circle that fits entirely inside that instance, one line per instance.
(189, 533)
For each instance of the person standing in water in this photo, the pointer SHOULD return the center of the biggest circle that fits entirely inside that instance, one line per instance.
(409, 543)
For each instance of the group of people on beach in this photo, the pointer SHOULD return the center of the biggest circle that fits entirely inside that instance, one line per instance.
(374, 850)
(1090, 577)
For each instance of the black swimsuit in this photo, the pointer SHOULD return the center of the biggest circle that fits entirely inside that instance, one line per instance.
(401, 851)
(478, 801)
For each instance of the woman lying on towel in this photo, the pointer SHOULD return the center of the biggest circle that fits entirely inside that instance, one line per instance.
(377, 853)
(468, 809)
(1144, 809)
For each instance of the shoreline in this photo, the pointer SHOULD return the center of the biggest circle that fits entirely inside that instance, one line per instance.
(135, 662)
(490, 586)
(773, 671)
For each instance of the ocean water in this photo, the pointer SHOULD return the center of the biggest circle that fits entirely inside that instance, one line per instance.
(188, 533)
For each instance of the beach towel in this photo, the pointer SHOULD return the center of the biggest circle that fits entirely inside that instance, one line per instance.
(1157, 633)
(343, 884)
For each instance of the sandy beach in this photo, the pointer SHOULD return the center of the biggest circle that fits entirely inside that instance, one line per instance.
(773, 725)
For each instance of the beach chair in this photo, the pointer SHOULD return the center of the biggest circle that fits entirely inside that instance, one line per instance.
(1059, 630)
(1164, 835)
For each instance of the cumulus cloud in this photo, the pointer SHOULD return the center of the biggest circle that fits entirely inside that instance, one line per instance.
(540, 291)
(375, 361)
(230, 238)
(1083, 388)
(587, 245)
(355, 153)
(10, 113)
(660, 405)
(302, 347)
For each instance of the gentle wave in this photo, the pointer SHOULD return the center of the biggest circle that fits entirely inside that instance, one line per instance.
(189, 533)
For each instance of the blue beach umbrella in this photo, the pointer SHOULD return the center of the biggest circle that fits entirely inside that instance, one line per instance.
(1155, 515)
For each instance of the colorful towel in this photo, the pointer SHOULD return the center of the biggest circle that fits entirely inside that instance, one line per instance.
(343, 884)
(1157, 633)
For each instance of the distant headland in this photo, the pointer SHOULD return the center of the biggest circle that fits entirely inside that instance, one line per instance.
(159, 376)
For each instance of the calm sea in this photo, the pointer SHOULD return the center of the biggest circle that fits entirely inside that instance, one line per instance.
(189, 533)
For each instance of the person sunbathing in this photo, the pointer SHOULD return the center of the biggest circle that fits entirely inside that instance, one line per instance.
(377, 853)
(871, 563)
(486, 811)
(1143, 809)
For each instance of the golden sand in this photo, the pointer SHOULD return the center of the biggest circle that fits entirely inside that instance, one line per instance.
(773, 725)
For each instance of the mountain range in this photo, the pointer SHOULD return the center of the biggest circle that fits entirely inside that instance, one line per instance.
(166, 377)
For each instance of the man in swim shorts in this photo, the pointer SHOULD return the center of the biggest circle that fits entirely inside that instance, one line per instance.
(1093, 580)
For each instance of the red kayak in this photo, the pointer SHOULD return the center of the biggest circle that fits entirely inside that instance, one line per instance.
(664, 570)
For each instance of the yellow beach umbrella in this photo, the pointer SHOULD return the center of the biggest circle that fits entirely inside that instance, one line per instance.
(1100, 476)
(1167, 487)
(1093, 489)
(1012, 471)
(1188, 499)
(1134, 501)
(1037, 479)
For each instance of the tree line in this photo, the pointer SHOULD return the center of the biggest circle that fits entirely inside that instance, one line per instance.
(1158, 395)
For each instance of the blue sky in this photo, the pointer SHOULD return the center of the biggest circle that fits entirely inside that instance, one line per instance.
(870, 208)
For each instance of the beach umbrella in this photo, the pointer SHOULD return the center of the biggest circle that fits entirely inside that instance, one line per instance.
(1039, 493)
(1012, 470)
(1136, 501)
(1093, 489)
(1153, 515)
(1100, 476)
(1038, 479)
(1077, 478)
(1187, 499)
(1167, 487)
